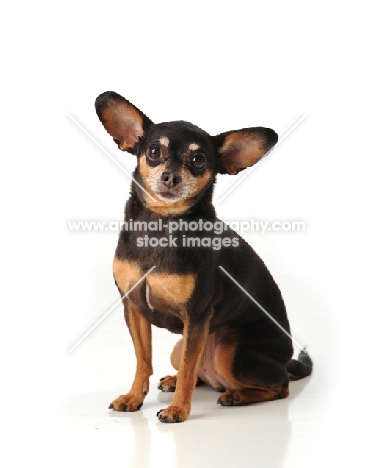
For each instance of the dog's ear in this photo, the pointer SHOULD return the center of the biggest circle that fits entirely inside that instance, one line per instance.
(122, 120)
(239, 149)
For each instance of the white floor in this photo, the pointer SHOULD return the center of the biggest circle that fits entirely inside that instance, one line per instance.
(275, 434)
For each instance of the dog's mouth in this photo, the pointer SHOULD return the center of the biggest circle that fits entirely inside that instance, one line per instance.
(169, 194)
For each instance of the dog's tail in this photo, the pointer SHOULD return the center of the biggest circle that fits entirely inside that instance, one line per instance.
(301, 367)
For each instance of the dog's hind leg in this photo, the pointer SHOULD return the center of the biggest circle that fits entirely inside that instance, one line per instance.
(251, 372)
(168, 383)
(262, 378)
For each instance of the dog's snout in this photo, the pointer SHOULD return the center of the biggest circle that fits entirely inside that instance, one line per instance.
(171, 179)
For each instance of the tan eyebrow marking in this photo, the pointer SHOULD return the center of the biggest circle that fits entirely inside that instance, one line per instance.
(193, 147)
(164, 141)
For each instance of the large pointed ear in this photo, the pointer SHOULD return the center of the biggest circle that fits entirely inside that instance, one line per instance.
(239, 149)
(122, 120)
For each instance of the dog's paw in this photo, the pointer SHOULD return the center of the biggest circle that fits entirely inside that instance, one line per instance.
(173, 414)
(232, 398)
(247, 396)
(128, 402)
(167, 384)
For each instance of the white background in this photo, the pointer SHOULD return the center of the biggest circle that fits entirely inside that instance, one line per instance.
(222, 66)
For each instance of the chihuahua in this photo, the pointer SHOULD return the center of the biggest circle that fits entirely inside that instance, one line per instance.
(177, 266)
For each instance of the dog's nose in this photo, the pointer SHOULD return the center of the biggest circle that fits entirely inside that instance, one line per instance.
(170, 179)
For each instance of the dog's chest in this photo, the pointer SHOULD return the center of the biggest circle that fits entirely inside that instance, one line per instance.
(160, 291)
(168, 289)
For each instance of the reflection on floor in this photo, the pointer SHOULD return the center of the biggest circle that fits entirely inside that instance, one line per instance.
(272, 434)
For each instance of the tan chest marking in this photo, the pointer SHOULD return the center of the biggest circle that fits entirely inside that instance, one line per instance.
(126, 274)
(173, 289)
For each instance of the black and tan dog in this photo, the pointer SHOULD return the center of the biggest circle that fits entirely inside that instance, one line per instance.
(228, 341)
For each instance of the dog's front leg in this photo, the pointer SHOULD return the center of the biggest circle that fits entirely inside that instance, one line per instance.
(195, 334)
(141, 333)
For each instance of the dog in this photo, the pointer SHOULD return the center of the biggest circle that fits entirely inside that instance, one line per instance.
(211, 288)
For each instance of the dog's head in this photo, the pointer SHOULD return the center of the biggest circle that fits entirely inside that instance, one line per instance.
(177, 161)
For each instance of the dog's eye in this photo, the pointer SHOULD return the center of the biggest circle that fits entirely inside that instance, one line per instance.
(198, 161)
(154, 152)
